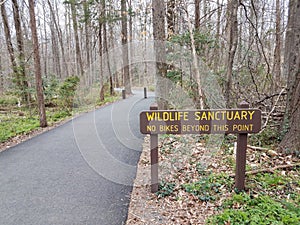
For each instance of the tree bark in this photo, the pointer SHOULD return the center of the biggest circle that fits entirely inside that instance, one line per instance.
(277, 51)
(100, 44)
(125, 56)
(171, 18)
(77, 43)
(232, 39)
(291, 126)
(21, 57)
(1, 77)
(37, 67)
(60, 39)
(8, 39)
(159, 35)
(197, 15)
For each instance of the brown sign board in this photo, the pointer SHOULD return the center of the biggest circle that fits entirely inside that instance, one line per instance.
(219, 121)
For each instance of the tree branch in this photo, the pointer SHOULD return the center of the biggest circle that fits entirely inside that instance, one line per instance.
(270, 170)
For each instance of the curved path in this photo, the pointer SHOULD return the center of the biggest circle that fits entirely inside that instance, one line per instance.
(79, 173)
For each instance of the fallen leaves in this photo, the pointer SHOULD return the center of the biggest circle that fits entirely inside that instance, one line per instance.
(186, 161)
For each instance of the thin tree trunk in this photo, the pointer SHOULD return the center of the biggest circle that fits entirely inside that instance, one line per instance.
(100, 44)
(1, 76)
(199, 97)
(60, 39)
(277, 51)
(126, 74)
(9, 45)
(21, 56)
(105, 40)
(171, 18)
(77, 43)
(37, 67)
(197, 15)
(232, 37)
(87, 26)
(44, 48)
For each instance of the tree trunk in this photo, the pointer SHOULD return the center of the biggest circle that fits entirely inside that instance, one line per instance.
(277, 51)
(8, 39)
(105, 40)
(126, 74)
(60, 39)
(100, 44)
(171, 18)
(291, 140)
(37, 66)
(77, 43)
(232, 39)
(17, 73)
(1, 77)
(159, 35)
(197, 15)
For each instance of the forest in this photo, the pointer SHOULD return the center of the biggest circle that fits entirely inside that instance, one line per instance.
(248, 50)
(63, 57)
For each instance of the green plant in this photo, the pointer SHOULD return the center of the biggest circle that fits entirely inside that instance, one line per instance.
(8, 100)
(165, 189)
(243, 209)
(67, 91)
(267, 137)
(209, 187)
(51, 86)
(11, 127)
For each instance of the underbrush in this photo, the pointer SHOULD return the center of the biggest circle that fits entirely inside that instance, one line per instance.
(22, 120)
(272, 194)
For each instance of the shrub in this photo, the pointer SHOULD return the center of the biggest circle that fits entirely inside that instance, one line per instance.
(67, 91)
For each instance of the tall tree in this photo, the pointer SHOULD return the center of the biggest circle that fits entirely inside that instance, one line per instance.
(125, 56)
(277, 51)
(60, 37)
(37, 66)
(19, 71)
(159, 34)
(21, 55)
(232, 39)
(291, 141)
(77, 41)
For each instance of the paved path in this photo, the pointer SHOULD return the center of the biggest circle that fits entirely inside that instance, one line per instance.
(79, 173)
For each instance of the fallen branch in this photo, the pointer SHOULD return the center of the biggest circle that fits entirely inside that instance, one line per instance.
(268, 151)
(270, 170)
(269, 96)
(258, 148)
(270, 113)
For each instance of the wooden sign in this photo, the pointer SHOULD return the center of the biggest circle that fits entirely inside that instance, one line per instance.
(221, 121)
(240, 121)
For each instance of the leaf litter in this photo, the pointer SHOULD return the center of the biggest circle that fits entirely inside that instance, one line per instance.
(195, 184)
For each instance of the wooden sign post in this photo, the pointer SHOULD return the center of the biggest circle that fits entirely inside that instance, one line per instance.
(219, 121)
(240, 167)
(154, 157)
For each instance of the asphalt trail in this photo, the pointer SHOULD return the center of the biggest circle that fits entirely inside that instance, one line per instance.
(78, 173)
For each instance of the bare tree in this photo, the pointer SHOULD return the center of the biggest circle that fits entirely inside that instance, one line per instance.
(77, 43)
(37, 66)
